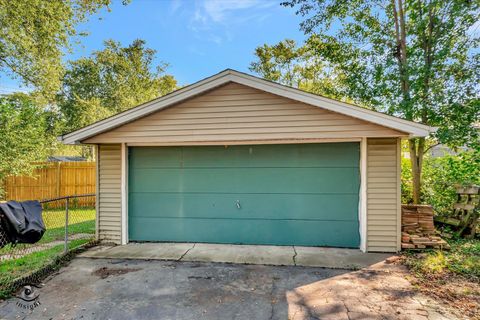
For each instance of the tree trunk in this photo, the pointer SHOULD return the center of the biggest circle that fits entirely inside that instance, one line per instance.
(417, 151)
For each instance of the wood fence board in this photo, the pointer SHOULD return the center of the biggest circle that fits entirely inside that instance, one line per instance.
(52, 180)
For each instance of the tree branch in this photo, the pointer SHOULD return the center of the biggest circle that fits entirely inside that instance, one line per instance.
(432, 146)
(14, 69)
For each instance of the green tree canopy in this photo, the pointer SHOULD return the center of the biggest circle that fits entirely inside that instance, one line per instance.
(27, 135)
(34, 35)
(297, 66)
(110, 81)
(418, 59)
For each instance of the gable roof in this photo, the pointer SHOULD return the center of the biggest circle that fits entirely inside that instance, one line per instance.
(412, 128)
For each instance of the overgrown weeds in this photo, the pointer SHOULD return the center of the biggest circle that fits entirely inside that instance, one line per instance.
(463, 259)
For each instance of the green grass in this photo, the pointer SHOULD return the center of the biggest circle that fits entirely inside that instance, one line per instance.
(462, 259)
(14, 269)
(59, 233)
(81, 220)
(54, 234)
(55, 218)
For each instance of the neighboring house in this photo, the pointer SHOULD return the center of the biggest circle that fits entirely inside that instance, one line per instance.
(442, 150)
(238, 159)
(439, 151)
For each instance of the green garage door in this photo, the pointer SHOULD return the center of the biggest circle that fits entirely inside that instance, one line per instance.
(298, 194)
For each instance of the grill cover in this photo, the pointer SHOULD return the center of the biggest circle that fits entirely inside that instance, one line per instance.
(23, 221)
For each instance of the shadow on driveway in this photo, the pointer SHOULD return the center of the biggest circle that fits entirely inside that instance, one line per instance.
(142, 289)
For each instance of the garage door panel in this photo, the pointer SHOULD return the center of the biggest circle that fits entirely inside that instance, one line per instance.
(267, 232)
(252, 206)
(305, 155)
(298, 194)
(246, 180)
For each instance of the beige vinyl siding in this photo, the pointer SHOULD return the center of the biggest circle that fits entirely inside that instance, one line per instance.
(109, 193)
(383, 196)
(235, 112)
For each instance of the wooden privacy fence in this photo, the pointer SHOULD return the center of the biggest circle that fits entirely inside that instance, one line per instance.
(53, 180)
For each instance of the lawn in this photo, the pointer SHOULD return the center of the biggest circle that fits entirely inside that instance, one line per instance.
(55, 218)
(13, 269)
(59, 233)
(81, 220)
(452, 276)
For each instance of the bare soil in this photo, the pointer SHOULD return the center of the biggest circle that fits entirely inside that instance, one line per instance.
(457, 293)
(461, 295)
(105, 272)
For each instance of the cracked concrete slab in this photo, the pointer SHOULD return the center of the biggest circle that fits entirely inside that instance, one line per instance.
(337, 257)
(154, 251)
(244, 254)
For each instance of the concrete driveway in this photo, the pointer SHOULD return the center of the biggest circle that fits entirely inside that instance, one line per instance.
(337, 258)
(152, 289)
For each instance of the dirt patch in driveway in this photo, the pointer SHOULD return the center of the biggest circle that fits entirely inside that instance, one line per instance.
(105, 272)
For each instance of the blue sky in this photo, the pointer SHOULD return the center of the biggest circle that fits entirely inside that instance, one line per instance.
(196, 37)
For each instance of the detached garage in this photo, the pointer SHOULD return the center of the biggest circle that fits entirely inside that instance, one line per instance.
(237, 159)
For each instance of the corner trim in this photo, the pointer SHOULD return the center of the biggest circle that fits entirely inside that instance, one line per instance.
(399, 194)
(124, 193)
(97, 192)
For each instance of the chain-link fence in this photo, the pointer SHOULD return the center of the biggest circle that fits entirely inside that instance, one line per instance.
(69, 222)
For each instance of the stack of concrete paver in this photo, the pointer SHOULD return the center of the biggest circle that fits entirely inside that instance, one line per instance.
(418, 230)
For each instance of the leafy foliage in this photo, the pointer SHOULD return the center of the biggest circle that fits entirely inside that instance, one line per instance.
(417, 59)
(299, 67)
(441, 175)
(35, 34)
(110, 81)
(27, 133)
(359, 39)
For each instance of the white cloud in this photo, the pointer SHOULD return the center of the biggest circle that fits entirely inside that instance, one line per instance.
(174, 6)
(214, 19)
(220, 10)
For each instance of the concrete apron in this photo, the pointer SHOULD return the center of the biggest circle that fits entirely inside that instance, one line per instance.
(351, 259)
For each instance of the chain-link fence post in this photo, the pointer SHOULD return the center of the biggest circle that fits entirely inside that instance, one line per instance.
(66, 224)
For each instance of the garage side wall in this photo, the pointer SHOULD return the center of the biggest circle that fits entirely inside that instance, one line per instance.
(383, 195)
(109, 193)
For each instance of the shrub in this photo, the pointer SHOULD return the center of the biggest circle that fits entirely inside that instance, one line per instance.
(441, 176)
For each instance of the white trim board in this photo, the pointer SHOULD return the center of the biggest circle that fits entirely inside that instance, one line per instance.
(411, 128)
(97, 192)
(244, 142)
(362, 206)
(124, 193)
(399, 194)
